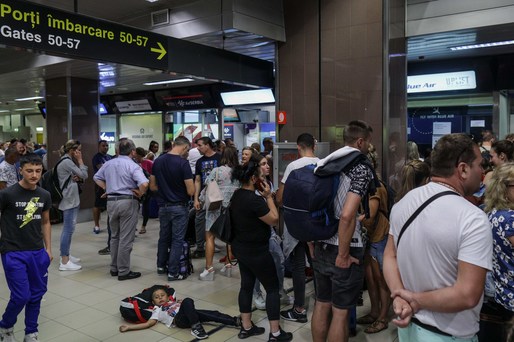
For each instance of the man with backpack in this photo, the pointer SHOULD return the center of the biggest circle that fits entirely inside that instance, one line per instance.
(338, 261)
(297, 249)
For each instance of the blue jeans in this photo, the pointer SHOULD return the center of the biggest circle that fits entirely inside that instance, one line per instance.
(173, 225)
(376, 250)
(68, 227)
(26, 273)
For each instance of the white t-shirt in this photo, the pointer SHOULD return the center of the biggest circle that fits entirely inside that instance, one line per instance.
(289, 241)
(166, 313)
(446, 231)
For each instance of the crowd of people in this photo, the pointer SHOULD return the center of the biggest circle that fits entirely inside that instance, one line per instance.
(453, 213)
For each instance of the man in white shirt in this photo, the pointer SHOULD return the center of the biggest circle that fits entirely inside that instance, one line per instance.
(305, 144)
(436, 272)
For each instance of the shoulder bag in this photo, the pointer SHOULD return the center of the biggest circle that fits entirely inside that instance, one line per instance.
(213, 195)
(420, 209)
(222, 227)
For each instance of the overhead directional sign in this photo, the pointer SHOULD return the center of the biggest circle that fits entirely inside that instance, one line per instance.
(32, 26)
(41, 28)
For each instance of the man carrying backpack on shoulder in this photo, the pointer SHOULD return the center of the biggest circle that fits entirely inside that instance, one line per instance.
(297, 249)
(338, 261)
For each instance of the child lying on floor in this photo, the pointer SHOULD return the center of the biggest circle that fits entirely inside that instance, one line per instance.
(181, 314)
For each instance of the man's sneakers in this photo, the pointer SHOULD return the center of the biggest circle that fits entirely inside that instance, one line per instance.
(283, 336)
(198, 331)
(285, 299)
(69, 266)
(176, 277)
(105, 251)
(259, 300)
(96, 230)
(253, 331)
(7, 335)
(31, 338)
(294, 316)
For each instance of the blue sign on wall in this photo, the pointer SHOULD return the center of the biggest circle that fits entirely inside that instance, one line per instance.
(108, 136)
(228, 132)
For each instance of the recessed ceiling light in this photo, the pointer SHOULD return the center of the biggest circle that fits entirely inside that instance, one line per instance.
(482, 45)
(152, 0)
(4, 111)
(20, 109)
(29, 98)
(169, 81)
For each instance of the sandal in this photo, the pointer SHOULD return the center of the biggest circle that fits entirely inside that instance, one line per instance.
(142, 230)
(366, 319)
(377, 326)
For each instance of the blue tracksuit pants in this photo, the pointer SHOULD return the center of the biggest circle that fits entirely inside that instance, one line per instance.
(26, 273)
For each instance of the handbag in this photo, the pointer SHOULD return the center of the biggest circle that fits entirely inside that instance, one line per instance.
(222, 227)
(213, 195)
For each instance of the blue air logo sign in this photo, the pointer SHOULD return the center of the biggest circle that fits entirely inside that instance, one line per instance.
(108, 136)
(460, 80)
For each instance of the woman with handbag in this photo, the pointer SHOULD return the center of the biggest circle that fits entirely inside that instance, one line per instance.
(251, 218)
(222, 177)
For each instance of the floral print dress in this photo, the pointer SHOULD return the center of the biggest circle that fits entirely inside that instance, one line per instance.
(502, 222)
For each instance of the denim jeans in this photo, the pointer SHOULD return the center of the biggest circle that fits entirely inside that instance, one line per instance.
(173, 225)
(68, 227)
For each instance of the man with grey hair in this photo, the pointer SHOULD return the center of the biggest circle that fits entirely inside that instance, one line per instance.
(8, 172)
(124, 183)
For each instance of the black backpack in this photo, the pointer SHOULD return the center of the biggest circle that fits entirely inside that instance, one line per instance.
(50, 182)
(138, 308)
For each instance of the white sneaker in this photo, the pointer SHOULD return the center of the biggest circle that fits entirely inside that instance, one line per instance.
(70, 266)
(207, 274)
(31, 337)
(74, 260)
(285, 299)
(260, 301)
(7, 335)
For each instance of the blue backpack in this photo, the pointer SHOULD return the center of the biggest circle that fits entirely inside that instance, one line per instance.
(308, 199)
(308, 203)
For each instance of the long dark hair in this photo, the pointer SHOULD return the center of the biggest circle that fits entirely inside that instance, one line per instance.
(243, 173)
(229, 157)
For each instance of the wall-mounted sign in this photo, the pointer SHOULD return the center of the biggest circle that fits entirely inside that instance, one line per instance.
(108, 136)
(41, 28)
(282, 117)
(171, 100)
(133, 106)
(460, 80)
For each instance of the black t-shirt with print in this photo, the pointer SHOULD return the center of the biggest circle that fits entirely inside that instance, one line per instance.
(20, 222)
(204, 166)
(246, 208)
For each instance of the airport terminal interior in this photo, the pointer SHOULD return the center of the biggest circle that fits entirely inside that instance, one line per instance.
(152, 70)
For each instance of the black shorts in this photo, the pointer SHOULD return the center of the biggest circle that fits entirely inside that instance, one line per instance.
(335, 285)
(100, 202)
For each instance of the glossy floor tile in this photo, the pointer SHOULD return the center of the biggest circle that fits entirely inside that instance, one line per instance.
(83, 306)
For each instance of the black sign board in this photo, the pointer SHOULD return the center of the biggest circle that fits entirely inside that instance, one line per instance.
(28, 25)
(31, 26)
(184, 99)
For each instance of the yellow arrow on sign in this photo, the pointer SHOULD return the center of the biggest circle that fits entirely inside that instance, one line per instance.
(160, 50)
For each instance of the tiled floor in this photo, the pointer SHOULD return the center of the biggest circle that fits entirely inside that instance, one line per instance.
(83, 306)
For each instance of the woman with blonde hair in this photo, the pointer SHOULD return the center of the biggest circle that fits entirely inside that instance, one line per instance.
(499, 206)
(413, 174)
